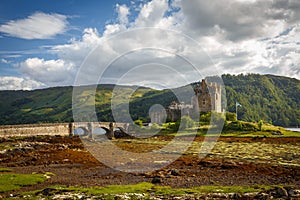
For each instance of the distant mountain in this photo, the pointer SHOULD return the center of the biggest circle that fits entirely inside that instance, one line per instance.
(274, 99)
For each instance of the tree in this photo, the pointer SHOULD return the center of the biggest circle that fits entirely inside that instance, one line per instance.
(187, 122)
(205, 117)
(138, 122)
(217, 119)
(259, 124)
(230, 116)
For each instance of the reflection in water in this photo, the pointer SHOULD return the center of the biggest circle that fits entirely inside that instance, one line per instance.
(99, 131)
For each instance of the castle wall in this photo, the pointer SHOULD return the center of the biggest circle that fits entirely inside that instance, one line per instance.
(173, 114)
(204, 103)
(207, 98)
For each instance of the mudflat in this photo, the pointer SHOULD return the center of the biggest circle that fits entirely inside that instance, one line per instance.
(232, 161)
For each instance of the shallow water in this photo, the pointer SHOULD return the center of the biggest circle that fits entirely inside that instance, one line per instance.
(293, 129)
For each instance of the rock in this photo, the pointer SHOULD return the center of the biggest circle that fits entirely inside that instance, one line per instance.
(34, 159)
(249, 195)
(236, 196)
(229, 165)
(292, 192)
(296, 193)
(168, 176)
(276, 133)
(147, 174)
(219, 195)
(281, 192)
(262, 196)
(174, 172)
(47, 191)
(156, 179)
(161, 175)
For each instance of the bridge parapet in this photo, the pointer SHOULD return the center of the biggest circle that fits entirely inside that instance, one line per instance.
(63, 129)
(34, 129)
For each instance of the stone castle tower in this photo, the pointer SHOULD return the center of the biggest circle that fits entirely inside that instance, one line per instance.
(207, 97)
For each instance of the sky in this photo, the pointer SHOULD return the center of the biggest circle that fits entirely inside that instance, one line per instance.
(154, 43)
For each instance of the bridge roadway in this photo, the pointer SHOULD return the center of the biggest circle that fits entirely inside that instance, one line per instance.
(63, 129)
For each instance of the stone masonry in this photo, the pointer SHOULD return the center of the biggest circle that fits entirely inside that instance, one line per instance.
(207, 98)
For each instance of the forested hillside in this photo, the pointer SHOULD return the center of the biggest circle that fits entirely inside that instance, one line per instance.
(271, 98)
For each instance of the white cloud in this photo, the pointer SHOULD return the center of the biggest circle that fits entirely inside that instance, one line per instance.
(239, 36)
(17, 83)
(49, 72)
(5, 61)
(76, 50)
(37, 26)
(239, 20)
(151, 13)
(123, 12)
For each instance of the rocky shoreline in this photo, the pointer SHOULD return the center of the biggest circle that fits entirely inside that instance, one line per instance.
(276, 193)
(73, 165)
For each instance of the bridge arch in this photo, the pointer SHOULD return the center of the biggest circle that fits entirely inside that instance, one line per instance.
(95, 128)
(99, 131)
(120, 132)
(81, 131)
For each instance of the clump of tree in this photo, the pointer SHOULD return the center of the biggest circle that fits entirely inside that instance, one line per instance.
(155, 126)
(139, 122)
(173, 126)
(230, 116)
(212, 118)
(260, 124)
(187, 122)
(240, 126)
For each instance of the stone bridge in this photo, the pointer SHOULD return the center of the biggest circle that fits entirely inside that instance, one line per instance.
(112, 128)
(64, 129)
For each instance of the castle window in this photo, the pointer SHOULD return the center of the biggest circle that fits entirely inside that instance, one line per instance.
(203, 102)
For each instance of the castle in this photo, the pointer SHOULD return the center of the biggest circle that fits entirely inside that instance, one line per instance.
(207, 97)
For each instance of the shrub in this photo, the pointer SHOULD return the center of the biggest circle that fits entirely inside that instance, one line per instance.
(230, 116)
(173, 126)
(259, 124)
(205, 117)
(187, 122)
(138, 122)
(217, 118)
(155, 126)
(240, 126)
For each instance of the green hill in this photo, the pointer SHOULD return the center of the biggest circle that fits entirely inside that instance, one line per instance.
(271, 98)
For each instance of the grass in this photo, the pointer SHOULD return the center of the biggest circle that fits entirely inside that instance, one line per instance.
(162, 190)
(263, 133)
(5, 170)
(4, 147)
(41, 111)
(266, 131)
(26, 110)
(12, 181)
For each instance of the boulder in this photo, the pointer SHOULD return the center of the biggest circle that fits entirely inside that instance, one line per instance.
(156, 179)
